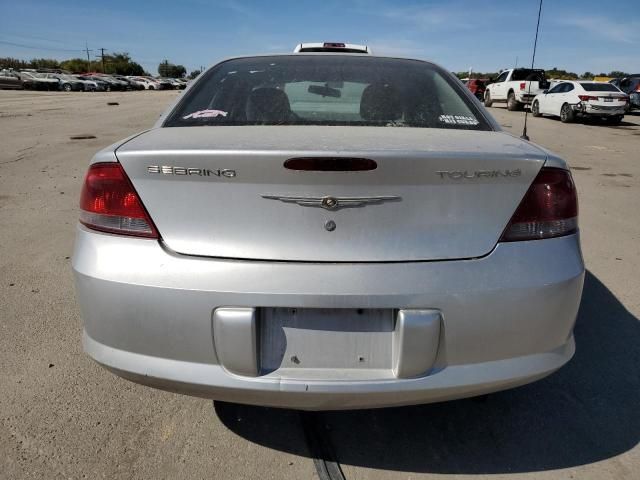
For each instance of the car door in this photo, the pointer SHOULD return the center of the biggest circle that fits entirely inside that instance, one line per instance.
(569, 95)
(557, 98)
(547, 100)
(499, 89)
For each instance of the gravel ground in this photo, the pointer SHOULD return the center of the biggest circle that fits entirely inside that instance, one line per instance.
(62, 416)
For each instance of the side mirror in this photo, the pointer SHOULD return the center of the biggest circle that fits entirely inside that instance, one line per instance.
(545, 91)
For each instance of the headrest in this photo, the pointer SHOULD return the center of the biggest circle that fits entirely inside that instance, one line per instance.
(269, 105)
(380, 102)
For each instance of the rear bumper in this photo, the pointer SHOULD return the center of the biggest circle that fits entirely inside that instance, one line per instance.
(599, 111)
(507, 318)
(526, 98)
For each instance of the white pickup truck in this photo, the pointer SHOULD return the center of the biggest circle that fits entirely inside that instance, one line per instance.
(517, 87)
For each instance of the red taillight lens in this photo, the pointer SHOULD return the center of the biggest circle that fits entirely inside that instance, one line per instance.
(109, 203)
(586, 98)
(548, 209)
(523, 85)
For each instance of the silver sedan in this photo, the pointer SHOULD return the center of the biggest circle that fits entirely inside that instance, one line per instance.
(328, 231)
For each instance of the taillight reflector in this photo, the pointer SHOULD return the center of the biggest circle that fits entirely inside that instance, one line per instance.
(109, 203)
(586, 98)
(548, 209)
(523, 85)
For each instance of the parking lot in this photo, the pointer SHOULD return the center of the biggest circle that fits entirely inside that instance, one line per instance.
(62, 416)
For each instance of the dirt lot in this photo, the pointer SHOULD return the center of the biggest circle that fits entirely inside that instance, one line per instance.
(62, 416)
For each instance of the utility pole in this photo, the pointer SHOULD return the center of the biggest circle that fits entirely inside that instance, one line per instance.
(86, 49)
(102, 56)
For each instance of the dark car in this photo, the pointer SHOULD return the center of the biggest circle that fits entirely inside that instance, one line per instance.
(631, 86)
(477, 86)
(32, 81)
(10, 79)
(66, 82)
(109, 83)
(131, 85)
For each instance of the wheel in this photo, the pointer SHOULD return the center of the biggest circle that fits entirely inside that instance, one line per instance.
(535, 109)
(151, 87)
(512, 103)
(615, 120)
(66, 87)
(108, 88)
(487, 99)
(566, 113)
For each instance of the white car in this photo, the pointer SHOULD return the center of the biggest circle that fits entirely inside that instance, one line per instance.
(571, 99)
(145, 82)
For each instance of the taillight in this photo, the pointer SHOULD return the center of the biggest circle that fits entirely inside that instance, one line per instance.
(109, 203)
(586, 98)
(548, 209)
(523, 85)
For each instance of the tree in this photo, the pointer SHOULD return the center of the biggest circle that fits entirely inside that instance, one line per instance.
(44, 63)
(560, 74)
(121, 64)
(166, 69)
(194, 74)
(588, 76)
(618, 74)
(76, 65)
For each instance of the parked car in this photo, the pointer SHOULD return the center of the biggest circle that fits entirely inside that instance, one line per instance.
(276, 239)
(477, 87)
(631, 86)
(10, 79)
(66, 82)
(517, 87)
(571, 99)
(116, 84)
(175, 83)
(32, 81)
(146, 83)
(131, 85)
(109, 83)
(91, 85)
(163, 84)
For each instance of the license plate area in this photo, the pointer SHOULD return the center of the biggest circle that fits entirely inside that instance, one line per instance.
(326, 341)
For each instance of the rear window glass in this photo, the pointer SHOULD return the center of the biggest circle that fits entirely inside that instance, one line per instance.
(520, 74)
(599, 87)
(327, 90)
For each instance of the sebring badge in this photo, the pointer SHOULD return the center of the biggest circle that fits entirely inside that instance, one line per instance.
(333, 203)
(201, 172)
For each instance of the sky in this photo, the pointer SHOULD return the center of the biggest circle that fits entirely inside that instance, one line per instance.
(579, 36)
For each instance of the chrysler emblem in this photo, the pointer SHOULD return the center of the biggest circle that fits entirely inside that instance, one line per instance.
(332, 203)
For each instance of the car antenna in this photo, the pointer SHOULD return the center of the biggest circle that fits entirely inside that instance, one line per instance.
(524, 135)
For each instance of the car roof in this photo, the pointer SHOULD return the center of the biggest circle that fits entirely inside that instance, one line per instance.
(326, 54)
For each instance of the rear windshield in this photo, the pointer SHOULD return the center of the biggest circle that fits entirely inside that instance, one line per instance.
(599, 87)
(520, 74)
(327, 90)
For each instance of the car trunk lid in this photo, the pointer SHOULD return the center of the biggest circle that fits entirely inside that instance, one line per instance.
(434, 194)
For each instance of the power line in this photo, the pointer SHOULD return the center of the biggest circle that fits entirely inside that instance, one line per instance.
(41, 48)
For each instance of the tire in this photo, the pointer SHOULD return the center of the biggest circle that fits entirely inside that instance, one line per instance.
(487, 99)
(66, 87)
(512, 104)
(151, 87)
(615, 120)
(107, 88)
(566, 113)
(535, 109)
